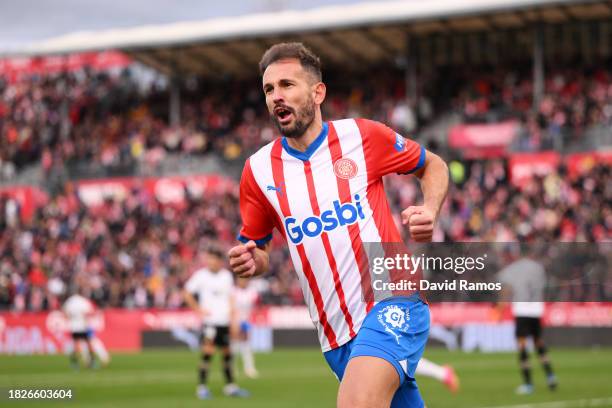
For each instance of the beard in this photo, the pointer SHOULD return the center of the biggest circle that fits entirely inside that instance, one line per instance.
(304, 116)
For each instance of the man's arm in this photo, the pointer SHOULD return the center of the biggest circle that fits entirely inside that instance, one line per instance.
(193, 303)
(248, 260)
(234, 323)
(434, 184)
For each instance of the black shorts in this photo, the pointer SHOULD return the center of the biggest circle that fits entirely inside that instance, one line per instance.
(220, 335)
(528, 326)
(80, 335)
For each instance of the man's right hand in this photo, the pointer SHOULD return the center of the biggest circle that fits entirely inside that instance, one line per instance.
(243, 259)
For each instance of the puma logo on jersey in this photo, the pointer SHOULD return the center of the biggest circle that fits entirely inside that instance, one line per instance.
(278, 189)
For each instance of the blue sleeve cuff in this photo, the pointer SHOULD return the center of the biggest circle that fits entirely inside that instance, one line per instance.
(260, 242)
(421, 162)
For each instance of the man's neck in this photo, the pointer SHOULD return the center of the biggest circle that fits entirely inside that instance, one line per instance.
(301, 143)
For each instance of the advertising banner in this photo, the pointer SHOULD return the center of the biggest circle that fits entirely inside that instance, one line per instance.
(483, 140)
(123, 330)
(167, 190)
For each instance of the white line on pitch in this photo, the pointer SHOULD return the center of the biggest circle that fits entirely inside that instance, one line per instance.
(583, 403)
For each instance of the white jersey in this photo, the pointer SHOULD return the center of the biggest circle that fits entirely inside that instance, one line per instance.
(326, 202)
(527, 279)
(245, 299)
(214, 290)
(77, 308)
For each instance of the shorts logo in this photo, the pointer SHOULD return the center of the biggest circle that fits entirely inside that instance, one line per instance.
(400, 142)
(345, 168)
(393, 318)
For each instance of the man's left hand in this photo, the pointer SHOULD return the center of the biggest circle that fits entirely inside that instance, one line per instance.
(420, 221)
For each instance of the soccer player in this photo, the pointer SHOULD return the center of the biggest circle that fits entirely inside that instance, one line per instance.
(524, 282)
(245, 297)
(445, 374)
(320, 186)
(78, 311)
(98, 347)
(214, 285)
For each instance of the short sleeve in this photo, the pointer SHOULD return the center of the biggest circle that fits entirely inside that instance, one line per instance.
(257, 223)
(193, 283)
(389, 152)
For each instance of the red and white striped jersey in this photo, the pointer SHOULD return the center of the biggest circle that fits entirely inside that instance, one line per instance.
(326, 202)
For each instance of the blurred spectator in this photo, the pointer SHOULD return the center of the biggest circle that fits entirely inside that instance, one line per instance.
(138, 252)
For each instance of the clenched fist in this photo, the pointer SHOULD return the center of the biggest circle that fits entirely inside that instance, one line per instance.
(420, 221)
(246, 259)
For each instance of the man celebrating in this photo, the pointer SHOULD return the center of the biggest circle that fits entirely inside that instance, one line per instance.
(320, 186)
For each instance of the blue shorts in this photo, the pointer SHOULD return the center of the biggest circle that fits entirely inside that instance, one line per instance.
(395, 330)
(245, 327)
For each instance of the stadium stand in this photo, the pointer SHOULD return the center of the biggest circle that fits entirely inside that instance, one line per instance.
(137, 251)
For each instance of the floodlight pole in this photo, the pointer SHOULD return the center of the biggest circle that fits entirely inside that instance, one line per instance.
(174, 104)
(410, 68)
(538, 65)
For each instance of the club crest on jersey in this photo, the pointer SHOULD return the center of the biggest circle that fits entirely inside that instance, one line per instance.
(329, 220)
(400, 142)
(394, 320)
(345, 168)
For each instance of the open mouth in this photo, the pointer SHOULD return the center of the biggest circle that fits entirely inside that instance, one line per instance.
(283, 114)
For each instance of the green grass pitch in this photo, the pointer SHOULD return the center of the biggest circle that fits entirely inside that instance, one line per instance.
(301, 378)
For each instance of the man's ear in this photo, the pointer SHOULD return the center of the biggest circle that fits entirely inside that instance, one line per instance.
(320, 91)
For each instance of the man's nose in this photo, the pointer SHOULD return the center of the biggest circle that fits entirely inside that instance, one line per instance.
(277, 96)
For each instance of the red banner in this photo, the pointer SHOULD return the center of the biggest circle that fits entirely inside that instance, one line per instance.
(560, 314)
(15, 68)
(121, 330)
(28, 197)
(168, 190)
(524, 166)
(483, 140)
(578, 163)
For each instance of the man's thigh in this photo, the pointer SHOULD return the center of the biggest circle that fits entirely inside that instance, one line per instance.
(390, 342)
(368, 382)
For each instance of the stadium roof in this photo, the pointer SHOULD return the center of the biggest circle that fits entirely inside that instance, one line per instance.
(360, 33)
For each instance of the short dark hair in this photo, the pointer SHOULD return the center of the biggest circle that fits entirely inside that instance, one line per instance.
(215, 251)
(297, 50)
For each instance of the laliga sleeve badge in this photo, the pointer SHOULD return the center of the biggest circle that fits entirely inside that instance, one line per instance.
(345, 168)
(400, 142)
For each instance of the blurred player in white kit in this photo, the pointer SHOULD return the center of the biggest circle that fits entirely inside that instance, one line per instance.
(214, 286)
(245, 297)
(444, 374)
(79, 310)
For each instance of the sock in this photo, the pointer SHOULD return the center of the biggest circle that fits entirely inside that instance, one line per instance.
(227, 368)
(248, 361)
(100, 350)
(525, 368)
(430, 369)
(85, 355)
(545, 362)
(203, 370)
(74, 358)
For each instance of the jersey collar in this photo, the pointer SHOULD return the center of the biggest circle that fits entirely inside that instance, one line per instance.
(307, 154)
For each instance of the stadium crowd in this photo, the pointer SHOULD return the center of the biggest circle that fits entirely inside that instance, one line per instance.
(138, 252)
(115, 120)
(574, 99)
